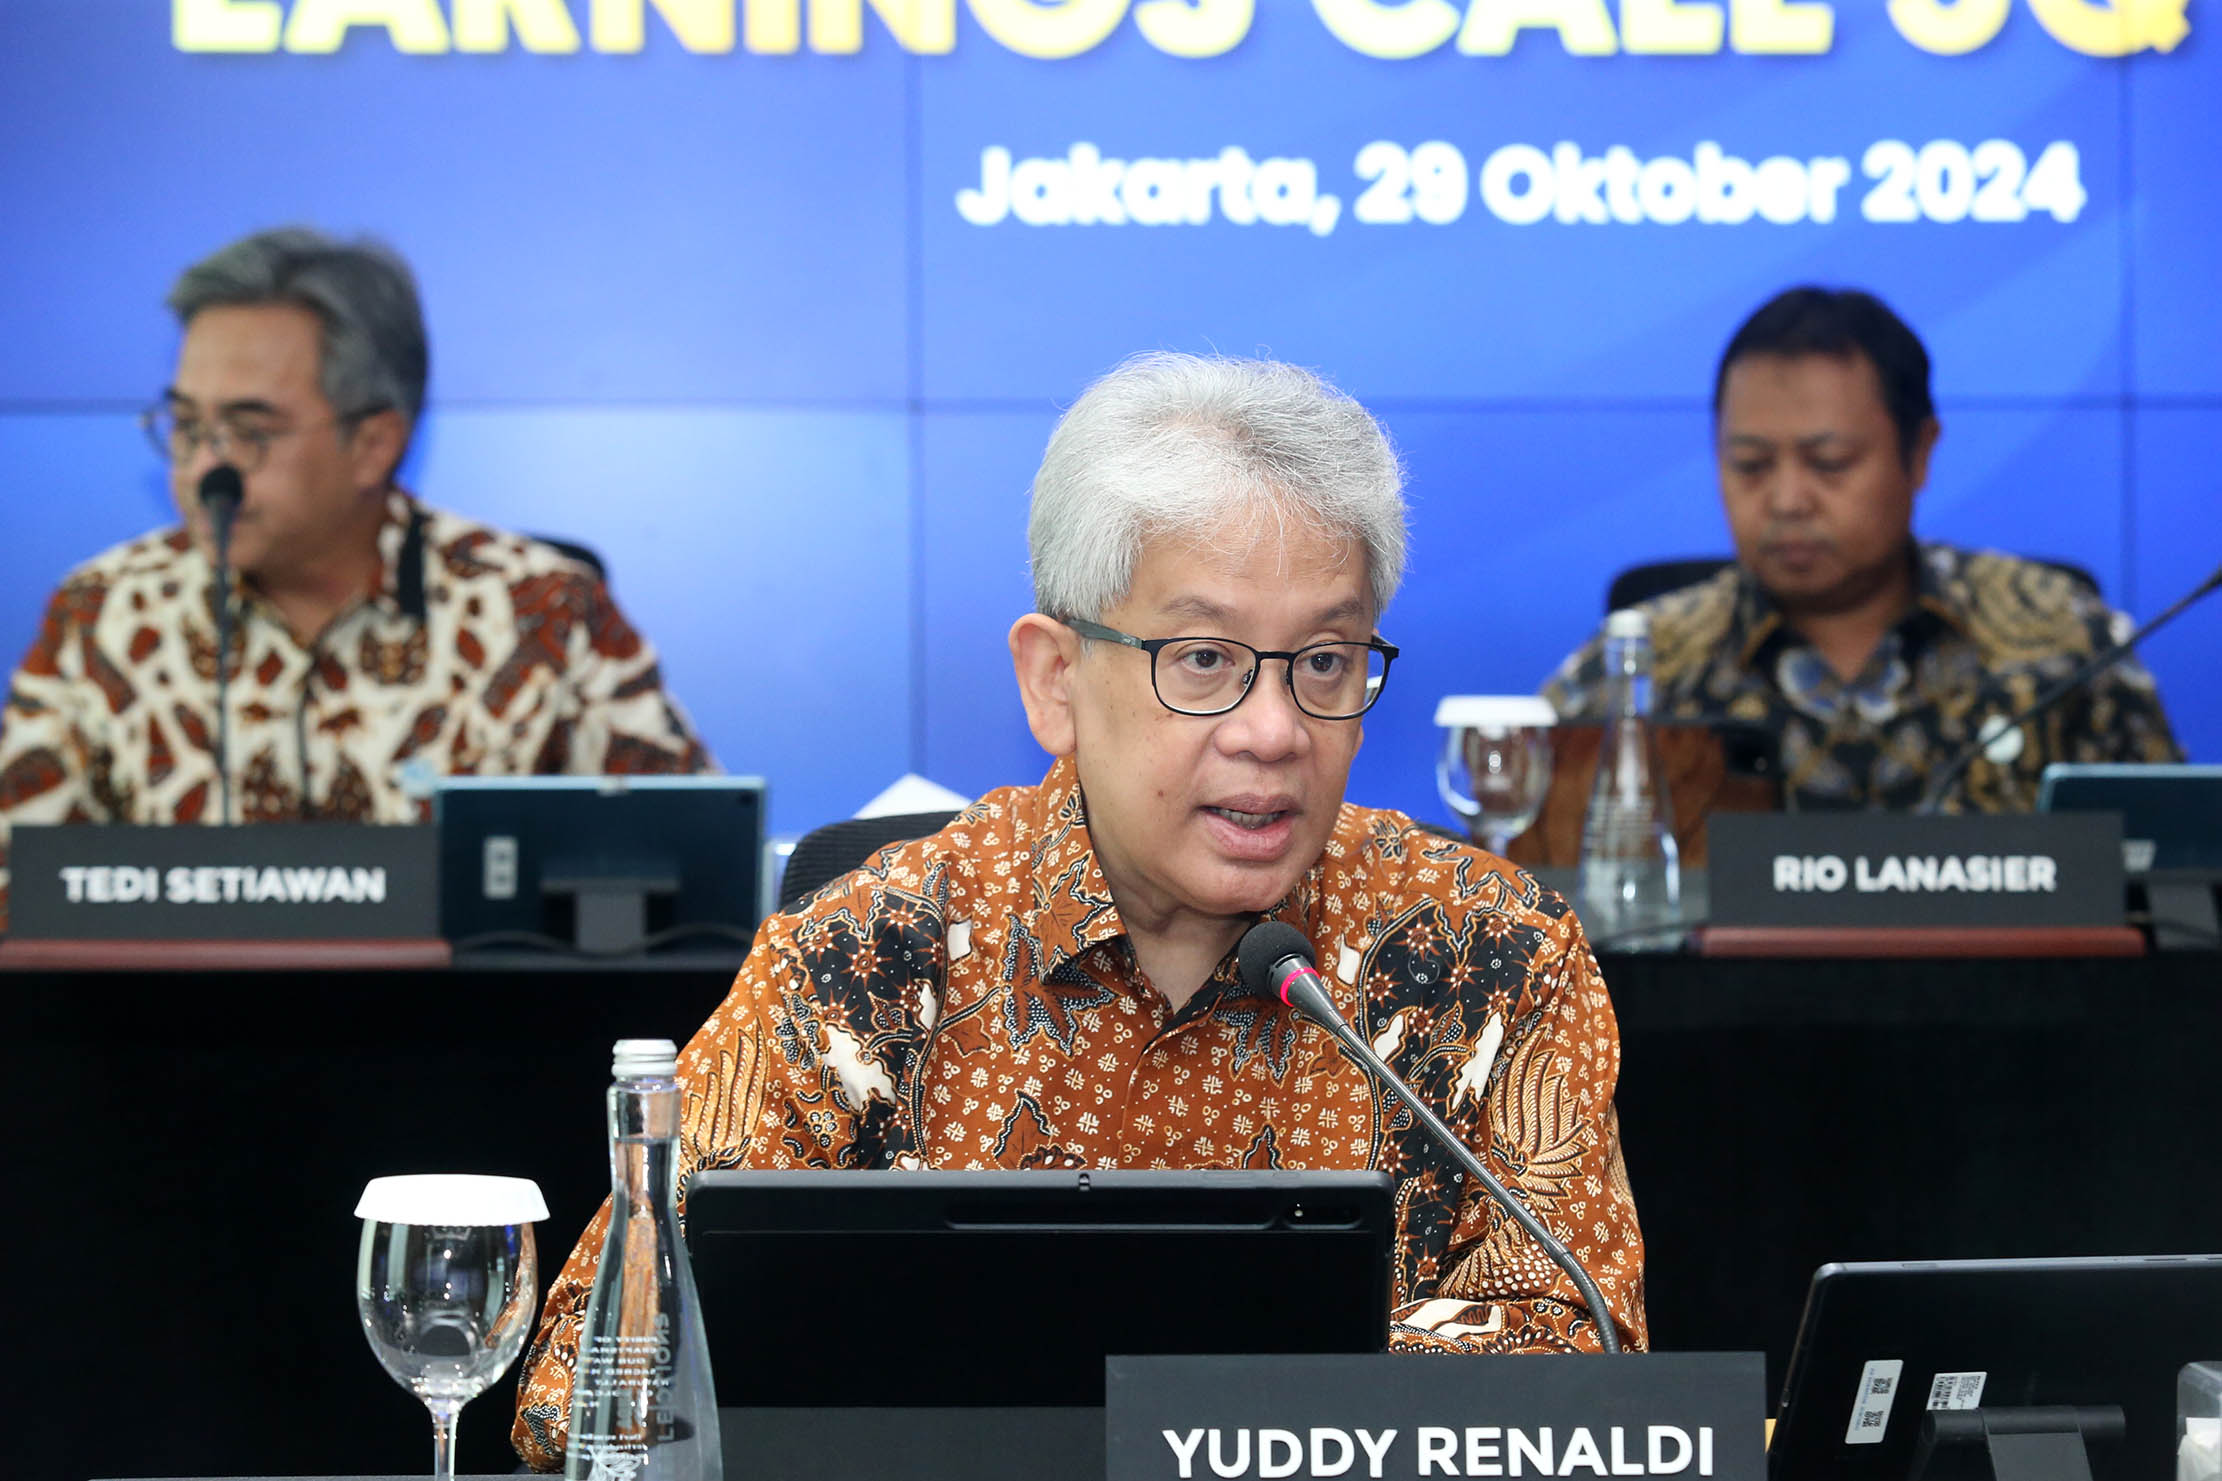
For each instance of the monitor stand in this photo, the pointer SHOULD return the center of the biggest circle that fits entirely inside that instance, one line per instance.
(610, 910)
(2044, 1444)
(925, 1444)
(2184, 910)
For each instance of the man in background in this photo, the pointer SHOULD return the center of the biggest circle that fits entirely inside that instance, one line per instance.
(1871, 658)
(375, 642)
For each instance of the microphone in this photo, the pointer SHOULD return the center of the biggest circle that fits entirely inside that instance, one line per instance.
(1277, 961)
(1962, 759)
(221, 491)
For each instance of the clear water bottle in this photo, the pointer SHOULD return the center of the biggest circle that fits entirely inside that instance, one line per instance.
(642, 1404)
(1631, 887)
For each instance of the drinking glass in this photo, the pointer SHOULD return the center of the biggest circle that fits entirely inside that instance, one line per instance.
(446, 1282)
(1495, 766)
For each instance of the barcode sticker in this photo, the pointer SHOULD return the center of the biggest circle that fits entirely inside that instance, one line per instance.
(1878, 1387)
(1956, 1390)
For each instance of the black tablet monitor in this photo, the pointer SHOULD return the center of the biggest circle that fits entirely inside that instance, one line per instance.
(952, 1326)
(1883, 1345)
(600, 866)
(2171, 814)
(1008, 1289)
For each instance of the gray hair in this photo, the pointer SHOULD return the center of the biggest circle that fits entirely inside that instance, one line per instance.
(1182, 445)
(375, 357)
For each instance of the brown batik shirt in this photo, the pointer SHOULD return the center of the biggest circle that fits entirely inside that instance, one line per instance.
(971, 1000)
(476, 652)
(1986, 635)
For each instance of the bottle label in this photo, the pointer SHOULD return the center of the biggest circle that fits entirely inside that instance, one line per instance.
(610, 1460)
(624, 1383)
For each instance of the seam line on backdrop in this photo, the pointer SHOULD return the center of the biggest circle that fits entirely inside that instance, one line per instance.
(914, 329)
(111, 406)
(1050, 405)
(2128, 372)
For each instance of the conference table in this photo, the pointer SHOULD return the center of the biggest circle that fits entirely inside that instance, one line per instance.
(191, 1132)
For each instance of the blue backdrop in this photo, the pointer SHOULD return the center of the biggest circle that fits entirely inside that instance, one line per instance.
(766, 329)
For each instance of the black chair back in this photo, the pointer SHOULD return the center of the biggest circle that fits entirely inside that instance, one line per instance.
(571, 549)
(1640, 584)
(825, 854)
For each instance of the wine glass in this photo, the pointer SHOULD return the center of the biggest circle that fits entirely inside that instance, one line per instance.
(446, 1282)
(1495, 767)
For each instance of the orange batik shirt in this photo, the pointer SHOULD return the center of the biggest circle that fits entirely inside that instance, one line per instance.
(970, 1000)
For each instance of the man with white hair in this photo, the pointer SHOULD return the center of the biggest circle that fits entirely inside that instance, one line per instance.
(1051, 980)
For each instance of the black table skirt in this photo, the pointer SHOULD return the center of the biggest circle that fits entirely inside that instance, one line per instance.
(187, 1150)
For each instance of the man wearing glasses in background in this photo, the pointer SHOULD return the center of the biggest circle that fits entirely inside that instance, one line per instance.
(1051, 980)
(375, 642)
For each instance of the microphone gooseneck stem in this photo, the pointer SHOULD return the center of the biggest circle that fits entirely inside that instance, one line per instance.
(1301, 989)
(1942, 782)
(222, 489)
(220, 526)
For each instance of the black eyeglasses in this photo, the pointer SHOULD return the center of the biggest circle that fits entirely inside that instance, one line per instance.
(243, 443)
(1210, 676)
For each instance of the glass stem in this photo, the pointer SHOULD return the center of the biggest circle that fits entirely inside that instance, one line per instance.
(443, 1440)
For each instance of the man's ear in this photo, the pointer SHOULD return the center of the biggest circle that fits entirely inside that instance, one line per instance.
(1045, 654)
(374, 452)
(1924, 443)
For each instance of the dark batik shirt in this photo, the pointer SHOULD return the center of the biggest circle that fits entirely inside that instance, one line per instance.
(971, 1001)
(1987, 634)
(475, 652)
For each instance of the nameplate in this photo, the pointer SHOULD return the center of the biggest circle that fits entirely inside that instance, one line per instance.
(1397, 1417)
(266, 882)
(1898, 869)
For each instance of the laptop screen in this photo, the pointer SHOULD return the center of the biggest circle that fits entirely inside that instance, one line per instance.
(1008, 1289)
(2171, 815)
